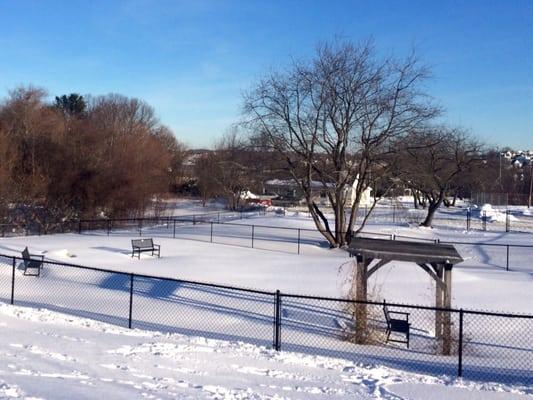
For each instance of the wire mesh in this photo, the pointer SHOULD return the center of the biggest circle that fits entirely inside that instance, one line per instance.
(498, 348)
(203, 310)
(335, 328)
(6, 275)
(478, 345)
(88, 293)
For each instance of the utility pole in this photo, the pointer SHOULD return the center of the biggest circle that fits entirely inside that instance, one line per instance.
(500, 175)
(530, 183)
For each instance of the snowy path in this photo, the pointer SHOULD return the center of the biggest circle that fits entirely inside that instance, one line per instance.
(53, 356)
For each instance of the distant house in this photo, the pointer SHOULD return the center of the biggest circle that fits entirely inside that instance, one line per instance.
(288, 191)
(191, 159)
(366, 197)
(251, 198)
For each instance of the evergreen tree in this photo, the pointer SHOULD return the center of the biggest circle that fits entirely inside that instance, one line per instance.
(72, 105)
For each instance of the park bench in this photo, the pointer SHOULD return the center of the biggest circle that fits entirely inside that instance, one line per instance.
(397, 325)
(143, 245)
(32, 263)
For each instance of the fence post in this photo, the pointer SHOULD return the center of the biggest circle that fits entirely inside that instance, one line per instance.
(79, 227)
(468, 216)
(253, 229)
(460, 347)
(299, 233)
(108, 226)
(194, 219)
(174, 230)
(484, 218)
(140, 227)
(211, 234)
(507, 258)
(507, 220)
(131, 301)
(218, 217)
(277, 321)
(13, 282)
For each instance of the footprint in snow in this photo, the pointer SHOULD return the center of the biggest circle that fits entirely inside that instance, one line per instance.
(42, 352)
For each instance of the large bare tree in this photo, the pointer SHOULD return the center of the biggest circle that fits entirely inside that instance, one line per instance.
(334, 118)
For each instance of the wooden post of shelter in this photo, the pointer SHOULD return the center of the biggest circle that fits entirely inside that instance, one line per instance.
(361, 296)
(447, 318)
(439, 300)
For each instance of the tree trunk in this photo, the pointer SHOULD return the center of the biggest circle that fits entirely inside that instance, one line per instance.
(434, 205)
(321, 222)
(361, 295)
(340, 221)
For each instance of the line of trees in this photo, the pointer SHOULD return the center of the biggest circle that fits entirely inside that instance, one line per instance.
(346, 116)
(237, 166)
(81, 157)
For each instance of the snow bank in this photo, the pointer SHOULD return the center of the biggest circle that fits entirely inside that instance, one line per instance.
(528, 212)
(494, 215)
(50, 355)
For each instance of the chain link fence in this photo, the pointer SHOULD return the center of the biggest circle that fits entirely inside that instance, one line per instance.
(227, 231)
(483, 346)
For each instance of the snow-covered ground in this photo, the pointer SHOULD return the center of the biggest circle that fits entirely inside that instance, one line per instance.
(47, 355)
(274, 265)
(497, 349)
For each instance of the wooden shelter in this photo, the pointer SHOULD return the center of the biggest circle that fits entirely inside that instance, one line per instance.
(436, 259)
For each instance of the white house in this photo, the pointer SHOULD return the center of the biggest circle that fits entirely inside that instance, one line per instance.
(366, 198)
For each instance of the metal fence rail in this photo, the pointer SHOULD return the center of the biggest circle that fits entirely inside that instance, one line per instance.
(486, 346)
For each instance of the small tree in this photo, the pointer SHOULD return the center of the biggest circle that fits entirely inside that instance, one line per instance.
(204, 171)
(432, 162)
(71, 105)
(233, 168)
(177, 152)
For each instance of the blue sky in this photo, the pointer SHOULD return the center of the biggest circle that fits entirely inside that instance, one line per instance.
(193, 59)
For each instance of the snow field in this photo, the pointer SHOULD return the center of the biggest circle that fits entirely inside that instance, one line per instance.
(496, 349)
(50, 355)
